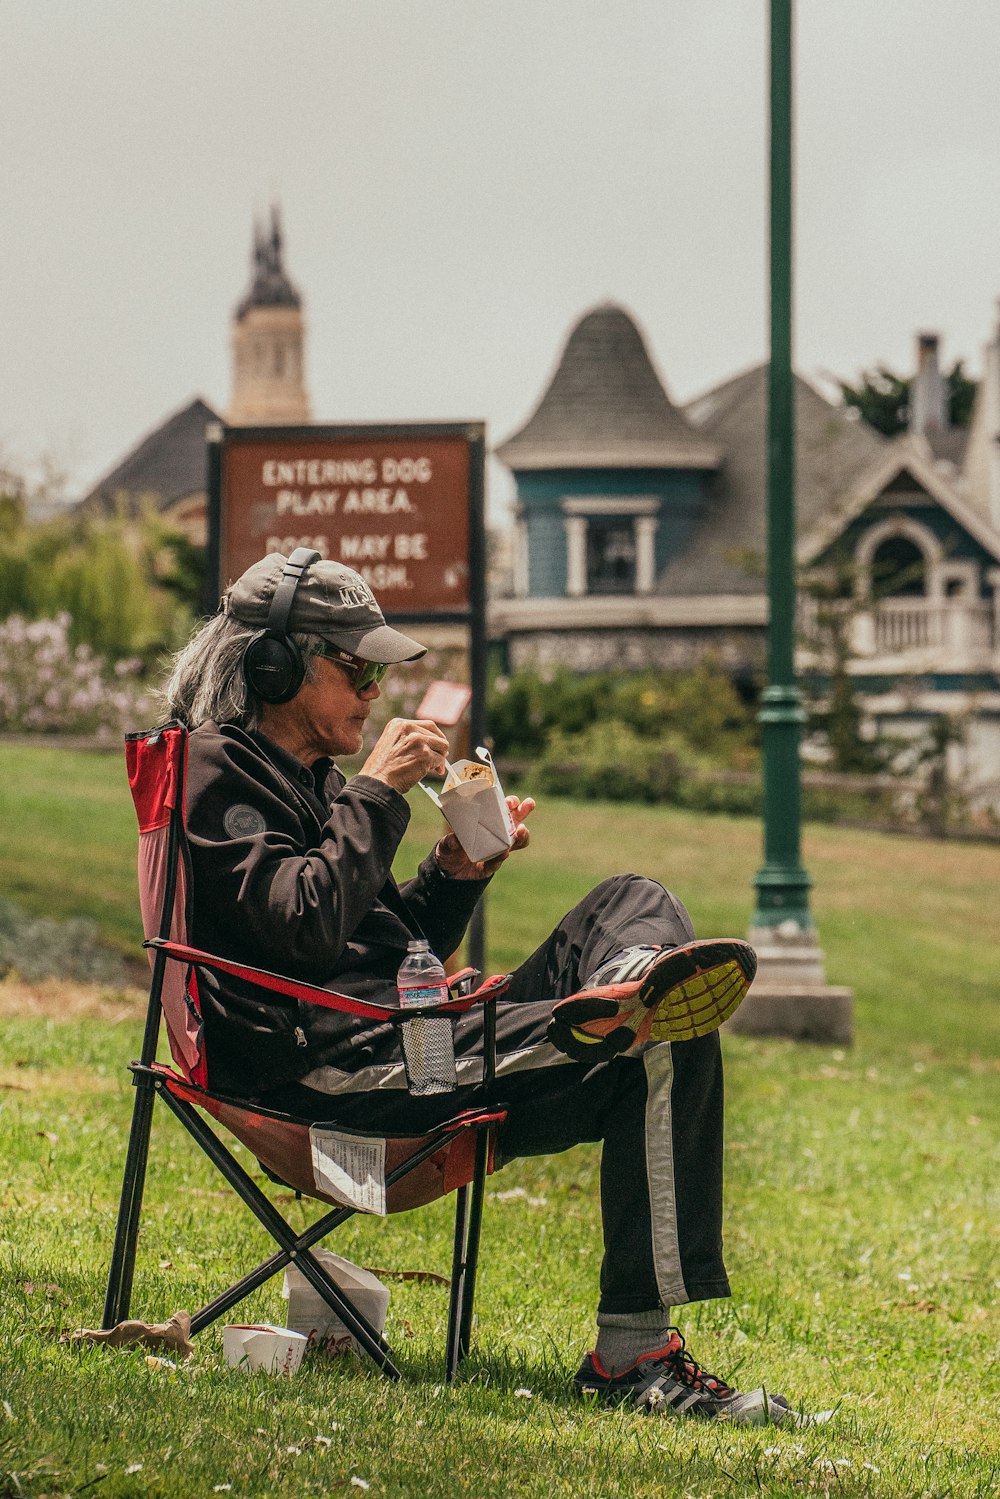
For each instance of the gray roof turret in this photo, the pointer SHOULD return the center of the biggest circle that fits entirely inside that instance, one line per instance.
(270, 286)
(606, 407)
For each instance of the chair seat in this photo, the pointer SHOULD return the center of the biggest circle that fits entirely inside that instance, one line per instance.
(287, 1147)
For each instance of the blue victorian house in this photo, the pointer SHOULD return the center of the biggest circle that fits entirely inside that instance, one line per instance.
(640, 534)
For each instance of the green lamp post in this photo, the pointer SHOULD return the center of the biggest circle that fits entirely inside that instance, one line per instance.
(782, 884)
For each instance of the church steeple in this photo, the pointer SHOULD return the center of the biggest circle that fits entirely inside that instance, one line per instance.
(268, 337)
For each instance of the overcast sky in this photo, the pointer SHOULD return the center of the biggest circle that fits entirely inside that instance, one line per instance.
(460, 181)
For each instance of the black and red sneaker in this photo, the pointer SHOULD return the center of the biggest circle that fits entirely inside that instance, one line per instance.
(669, 1381)
(646, 994)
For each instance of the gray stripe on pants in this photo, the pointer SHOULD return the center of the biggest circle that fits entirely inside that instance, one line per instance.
(659, 1064)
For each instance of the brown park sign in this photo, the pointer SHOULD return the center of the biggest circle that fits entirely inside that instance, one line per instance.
(401, 505)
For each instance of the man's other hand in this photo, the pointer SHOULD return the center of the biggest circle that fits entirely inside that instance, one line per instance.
(407, 750)
(454, 861)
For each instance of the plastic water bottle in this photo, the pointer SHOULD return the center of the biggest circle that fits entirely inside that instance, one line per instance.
(428, 1043)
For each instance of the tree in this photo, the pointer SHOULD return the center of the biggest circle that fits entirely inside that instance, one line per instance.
(129, 584)
(882, 398)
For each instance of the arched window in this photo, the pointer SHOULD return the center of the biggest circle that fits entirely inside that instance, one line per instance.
(898, 569)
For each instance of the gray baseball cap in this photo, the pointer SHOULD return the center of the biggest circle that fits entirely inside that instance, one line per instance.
(331, 600)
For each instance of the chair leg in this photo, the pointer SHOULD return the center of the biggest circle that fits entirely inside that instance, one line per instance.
(472, 1241)
(452, 1353)
(465, 1259)
(122, 1269)
(282, 1233)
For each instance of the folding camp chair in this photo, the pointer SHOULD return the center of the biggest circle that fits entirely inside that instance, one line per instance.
(456, 1156)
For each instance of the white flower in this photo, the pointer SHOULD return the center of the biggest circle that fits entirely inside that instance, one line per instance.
(523, 1394)
(134, 1468)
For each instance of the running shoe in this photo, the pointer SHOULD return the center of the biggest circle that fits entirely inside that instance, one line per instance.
(683, 992)
(669, 1381)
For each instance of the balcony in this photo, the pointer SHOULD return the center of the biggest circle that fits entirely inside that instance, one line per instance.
(913, 634)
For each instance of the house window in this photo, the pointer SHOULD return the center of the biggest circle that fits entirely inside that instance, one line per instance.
(898, 569)
(611, 554)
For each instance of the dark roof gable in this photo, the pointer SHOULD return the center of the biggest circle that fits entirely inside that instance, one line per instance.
(727, 550)
(165, 466)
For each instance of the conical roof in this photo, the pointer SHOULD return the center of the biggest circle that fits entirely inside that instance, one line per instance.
(606, 407)
(269, 286)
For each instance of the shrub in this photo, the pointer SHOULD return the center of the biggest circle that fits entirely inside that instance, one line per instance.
(48, 686)
(700, 709)
(610, 761)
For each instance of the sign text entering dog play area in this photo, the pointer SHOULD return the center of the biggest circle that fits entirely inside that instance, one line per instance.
(395, 504)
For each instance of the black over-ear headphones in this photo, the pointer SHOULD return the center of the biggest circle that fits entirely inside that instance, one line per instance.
(273, 667)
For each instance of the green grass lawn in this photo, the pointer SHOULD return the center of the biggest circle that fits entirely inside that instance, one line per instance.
(862, 1209)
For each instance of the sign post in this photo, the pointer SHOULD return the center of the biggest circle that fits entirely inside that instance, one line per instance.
(402, 504)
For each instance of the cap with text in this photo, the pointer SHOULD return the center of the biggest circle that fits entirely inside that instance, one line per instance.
(331, 600)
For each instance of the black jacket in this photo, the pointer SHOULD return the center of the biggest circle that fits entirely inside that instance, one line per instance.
(291, 871)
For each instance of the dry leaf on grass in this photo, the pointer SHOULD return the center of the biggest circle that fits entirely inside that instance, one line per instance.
(173, 1335)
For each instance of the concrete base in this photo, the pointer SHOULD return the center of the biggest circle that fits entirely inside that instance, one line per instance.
(803, 1012)
(789, 996)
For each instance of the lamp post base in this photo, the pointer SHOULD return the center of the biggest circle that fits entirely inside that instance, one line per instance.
(790, 996)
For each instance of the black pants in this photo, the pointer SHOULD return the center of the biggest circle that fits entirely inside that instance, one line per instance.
(658, 1114)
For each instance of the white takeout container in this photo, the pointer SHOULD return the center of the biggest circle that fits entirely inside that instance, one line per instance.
(473, 802)
(309, 1314)
(262, 1345)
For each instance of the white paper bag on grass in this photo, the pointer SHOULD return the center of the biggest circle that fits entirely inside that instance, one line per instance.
(262, 1345)
(309, 1314)
(473, 802)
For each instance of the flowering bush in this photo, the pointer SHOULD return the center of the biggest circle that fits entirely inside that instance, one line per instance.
(49, 686)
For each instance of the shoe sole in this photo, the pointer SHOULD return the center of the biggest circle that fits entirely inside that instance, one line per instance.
(688, 993)
(669, 1397)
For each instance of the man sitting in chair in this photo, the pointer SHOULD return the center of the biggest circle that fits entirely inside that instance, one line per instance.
(292, 871)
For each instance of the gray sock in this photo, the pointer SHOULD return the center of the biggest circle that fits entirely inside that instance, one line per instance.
(622, 1337)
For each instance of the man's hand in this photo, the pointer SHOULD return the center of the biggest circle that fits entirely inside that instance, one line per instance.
(407, 750)
(453, 861)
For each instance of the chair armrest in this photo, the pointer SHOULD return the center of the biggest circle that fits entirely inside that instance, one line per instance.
(329, 999)
(463, 982)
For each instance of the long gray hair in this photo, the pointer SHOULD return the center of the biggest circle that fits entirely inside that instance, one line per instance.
(206, 679)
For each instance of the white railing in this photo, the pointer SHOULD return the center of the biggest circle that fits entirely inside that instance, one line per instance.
(902, 627)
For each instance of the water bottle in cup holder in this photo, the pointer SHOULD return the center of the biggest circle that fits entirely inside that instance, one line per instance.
(428, 1042)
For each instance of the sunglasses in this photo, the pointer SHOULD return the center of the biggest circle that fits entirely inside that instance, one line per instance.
(362, 673)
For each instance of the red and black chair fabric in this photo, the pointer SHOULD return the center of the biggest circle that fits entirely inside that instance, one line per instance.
(455, 1157)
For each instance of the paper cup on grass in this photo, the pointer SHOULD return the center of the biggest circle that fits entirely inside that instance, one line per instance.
(261, 1345)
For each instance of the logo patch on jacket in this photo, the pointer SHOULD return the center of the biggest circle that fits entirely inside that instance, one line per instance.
(242, 821)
